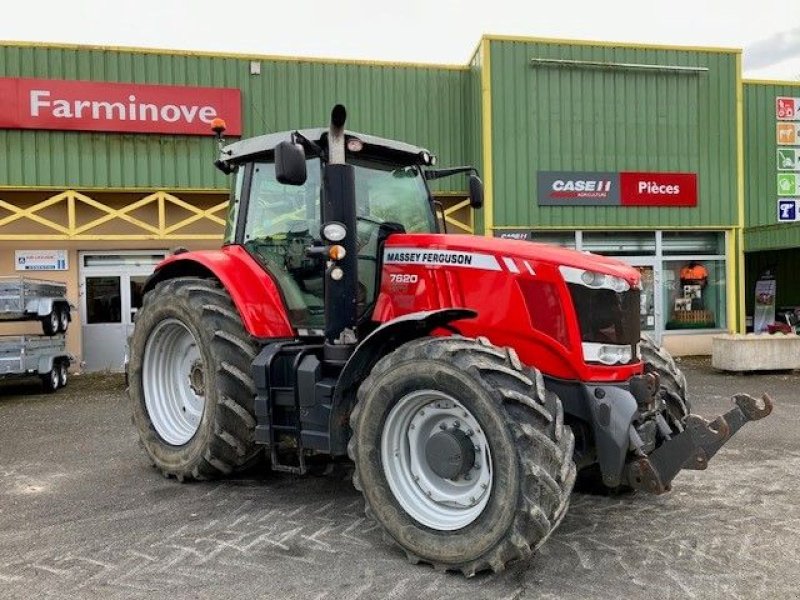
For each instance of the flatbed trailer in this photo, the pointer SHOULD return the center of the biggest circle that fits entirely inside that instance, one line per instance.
(27, 299)
(27, 355)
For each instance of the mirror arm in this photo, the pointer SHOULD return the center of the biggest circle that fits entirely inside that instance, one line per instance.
(311, 148)
(432, 174)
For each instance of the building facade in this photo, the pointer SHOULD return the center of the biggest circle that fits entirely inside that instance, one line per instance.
(636, 152)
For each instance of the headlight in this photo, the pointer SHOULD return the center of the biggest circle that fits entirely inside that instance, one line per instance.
(334, 231)
(607, 354)
(594, 280)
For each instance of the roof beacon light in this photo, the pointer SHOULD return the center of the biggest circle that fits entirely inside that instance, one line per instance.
(218, 126)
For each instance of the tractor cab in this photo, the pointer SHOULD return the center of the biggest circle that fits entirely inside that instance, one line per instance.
(277, 206)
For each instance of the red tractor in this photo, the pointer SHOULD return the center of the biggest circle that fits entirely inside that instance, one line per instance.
(471, 380)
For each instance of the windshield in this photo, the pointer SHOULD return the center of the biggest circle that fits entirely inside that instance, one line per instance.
(284, 220)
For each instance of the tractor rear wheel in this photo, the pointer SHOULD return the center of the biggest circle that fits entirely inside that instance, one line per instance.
(461, 453)
(673, 382)
(190, 386)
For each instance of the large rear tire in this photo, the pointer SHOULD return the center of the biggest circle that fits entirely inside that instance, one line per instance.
(511, 492)
(190, 387)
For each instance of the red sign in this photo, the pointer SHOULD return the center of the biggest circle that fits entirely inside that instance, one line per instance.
(658, 189)
(120, 107)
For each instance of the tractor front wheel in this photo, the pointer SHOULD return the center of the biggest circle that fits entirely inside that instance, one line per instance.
(190, 386)
(462, 455)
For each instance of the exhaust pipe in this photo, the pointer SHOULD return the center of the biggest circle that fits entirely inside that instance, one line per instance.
(341, 277)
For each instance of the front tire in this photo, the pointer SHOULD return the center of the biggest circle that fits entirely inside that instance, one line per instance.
(673, 382)
(190, 386)
(519, 485)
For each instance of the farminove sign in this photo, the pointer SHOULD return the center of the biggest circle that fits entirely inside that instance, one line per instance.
(116, 107)
(583, 188)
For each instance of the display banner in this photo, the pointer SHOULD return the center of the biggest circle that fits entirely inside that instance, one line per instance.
(582, 188)
(764, 313)
(116, 107)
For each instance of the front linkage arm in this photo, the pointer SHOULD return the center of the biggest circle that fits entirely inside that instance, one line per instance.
(694, 446)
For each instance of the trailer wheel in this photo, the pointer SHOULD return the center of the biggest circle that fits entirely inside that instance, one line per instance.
(63, 373)
(63, 318)
(50, 322)
(673, 382)
(190, 388)
(51, 380)
(461, 454)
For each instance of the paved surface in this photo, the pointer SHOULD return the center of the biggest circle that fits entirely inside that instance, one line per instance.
(82, 515)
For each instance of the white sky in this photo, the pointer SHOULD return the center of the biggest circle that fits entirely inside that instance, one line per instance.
(436, 31)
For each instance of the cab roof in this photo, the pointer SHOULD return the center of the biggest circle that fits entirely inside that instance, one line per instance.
(377, 148)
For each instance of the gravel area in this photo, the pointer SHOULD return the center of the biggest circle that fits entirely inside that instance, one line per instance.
(83, 515)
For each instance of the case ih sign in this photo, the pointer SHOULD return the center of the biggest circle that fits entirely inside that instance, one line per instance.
(118, 107)
(580, 188)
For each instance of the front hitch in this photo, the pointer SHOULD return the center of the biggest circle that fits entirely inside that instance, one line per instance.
(694, 446)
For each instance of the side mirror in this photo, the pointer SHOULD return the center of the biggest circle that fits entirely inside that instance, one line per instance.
(290, 164)
(475, 191)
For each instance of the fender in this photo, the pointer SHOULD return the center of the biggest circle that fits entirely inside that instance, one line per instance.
(386, 338)
(44, 306)
(252, 289)
(46, 362)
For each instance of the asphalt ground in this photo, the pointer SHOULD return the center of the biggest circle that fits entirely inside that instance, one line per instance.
(83, 515)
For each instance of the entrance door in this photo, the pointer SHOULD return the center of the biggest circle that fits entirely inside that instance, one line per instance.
(111, 293)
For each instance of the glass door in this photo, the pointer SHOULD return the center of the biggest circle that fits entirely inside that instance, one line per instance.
(650, 318)
(111, 295)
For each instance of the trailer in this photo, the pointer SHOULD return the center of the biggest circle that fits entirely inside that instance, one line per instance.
(27, 355)
(26, 299)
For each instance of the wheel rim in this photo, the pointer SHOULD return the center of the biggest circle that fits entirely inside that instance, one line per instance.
(62, 375)
(63, 320)
(436, 502)
(54, 378)
(53, 320)
(173, 381)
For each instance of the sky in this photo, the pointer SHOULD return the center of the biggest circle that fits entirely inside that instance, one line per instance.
(436, 31)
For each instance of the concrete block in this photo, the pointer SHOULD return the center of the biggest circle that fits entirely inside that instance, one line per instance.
(756, 352)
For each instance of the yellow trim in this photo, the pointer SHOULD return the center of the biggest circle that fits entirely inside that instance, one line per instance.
(771, 82)
(73, 231)
(469, 228)
(111, 190)
(738, 316)
(741, 289)
(731, 264)
(486, 118)
(607, 44)
(614, 227)
(233, 55)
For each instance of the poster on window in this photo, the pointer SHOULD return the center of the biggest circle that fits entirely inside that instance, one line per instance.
(764, 313)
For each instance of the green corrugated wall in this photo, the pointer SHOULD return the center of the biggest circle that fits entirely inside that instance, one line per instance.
(420, 105)
(761, 170)
(578, 118)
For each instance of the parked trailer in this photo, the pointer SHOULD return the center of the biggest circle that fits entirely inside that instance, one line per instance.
(25, 355)
(26, 299)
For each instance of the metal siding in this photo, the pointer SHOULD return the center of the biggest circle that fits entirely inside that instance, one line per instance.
(761, 190)
(573, 119)
(420, 105)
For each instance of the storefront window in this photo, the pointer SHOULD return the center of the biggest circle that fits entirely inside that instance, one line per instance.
(694, 294)
(618, 243)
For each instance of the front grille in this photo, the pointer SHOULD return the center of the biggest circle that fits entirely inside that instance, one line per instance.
(605, 316)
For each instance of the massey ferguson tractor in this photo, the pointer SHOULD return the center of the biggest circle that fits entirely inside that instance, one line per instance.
(470, 380)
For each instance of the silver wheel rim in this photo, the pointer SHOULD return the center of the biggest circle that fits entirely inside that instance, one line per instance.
(173, 381)
(62, 375)
(54, 378)
(54, 320)
(438, 503)
(63, 320)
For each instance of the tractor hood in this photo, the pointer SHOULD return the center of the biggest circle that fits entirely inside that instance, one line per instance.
(504, 250)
